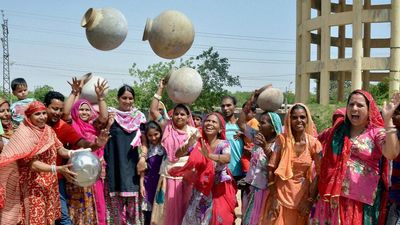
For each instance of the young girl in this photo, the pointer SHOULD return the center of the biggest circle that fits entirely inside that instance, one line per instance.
(149, 179)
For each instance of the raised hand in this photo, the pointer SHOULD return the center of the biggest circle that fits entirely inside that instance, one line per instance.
(103, 137)
(204, 149)
(100, 88)
(389, 108)
(76, 86)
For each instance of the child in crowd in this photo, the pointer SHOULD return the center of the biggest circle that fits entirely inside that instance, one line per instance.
(252, 122)
(197, 119)
(149, 179)
(20, 90)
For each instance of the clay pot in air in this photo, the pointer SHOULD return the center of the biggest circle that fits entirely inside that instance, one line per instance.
(106, 28)
(88, 90)
(270, 99)
(184, 85)
(170, 34)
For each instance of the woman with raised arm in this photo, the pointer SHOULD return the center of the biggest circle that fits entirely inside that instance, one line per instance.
(87, 204)
(172, 196)
(354, 171)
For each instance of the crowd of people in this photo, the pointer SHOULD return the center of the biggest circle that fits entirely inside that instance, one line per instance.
(188, 168)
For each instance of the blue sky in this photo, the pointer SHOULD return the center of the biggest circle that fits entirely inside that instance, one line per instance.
(48, 46)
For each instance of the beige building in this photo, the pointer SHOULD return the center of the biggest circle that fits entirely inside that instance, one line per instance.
(315, 21)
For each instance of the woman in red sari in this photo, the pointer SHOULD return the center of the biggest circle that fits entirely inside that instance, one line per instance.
(214, 196)
(354, 170)
(29, 160)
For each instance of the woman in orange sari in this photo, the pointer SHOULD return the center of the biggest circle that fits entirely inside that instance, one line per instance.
(28, 173)
(294, 189)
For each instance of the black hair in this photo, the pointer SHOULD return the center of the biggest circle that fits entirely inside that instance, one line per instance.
(152, 125)
(18, 82)
(298, 106)
(197, 114)
(124, 88)
(182, 106)
(253, 106)
(234, 101)
(52, 95)
(357, 92)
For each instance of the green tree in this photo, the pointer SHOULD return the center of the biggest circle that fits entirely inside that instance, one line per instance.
(241, 97)
(41, 91)
(212, 68)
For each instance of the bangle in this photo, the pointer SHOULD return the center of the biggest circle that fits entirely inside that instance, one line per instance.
(53, 169)
(271, 183)
(100, 99)
(392, 130)
(156, 96)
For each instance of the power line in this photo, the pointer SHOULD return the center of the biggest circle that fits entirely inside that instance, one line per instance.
(199, 33)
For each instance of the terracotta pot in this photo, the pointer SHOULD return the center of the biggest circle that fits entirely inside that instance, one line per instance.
(88, 90)
(170, 34)
(184, 85)
(270, 99)
(106, 28)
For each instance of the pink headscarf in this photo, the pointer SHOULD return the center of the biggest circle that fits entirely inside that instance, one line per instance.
(84, 128)
(174, 138)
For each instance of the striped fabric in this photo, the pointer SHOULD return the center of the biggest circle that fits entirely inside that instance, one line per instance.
(25, 143)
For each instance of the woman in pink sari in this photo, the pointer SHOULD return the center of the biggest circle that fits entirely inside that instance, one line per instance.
(172, 195)
(354, 171)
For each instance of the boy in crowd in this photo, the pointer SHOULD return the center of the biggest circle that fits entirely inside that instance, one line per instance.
(20, 90)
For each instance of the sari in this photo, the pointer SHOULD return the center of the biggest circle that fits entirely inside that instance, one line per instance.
(29, 197)
(293, 175)
(257, 176)
(357, 159)
(86, 205)
(172, 195)
(214, 197)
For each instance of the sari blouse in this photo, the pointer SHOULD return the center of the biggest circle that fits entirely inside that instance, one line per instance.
(361, 179)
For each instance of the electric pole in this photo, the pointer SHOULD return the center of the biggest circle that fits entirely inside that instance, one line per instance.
(6, 59)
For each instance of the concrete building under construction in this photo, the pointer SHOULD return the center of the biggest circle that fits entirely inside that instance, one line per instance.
(352, 19)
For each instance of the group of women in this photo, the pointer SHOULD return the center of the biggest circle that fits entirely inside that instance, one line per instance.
(166, 171)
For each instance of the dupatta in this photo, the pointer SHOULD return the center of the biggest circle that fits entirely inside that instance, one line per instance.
(27, 141)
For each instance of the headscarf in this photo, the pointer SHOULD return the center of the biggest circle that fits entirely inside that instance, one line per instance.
(200, 170)
(173, 138)
(337, 151)
(276, 122)
(9, 129)
(84, 128)
(130, 121)
(341, 112)
(27, 141)
(284, 170)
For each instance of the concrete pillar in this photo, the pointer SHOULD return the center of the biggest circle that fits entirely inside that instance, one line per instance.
(325, 52)
(305, 51)
(341, 54)
(366, 47)
(298, 49)
(356, 81)
(395, 48)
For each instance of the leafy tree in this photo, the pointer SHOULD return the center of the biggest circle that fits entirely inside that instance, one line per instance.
(212, 68)
(241, 97)
(380, 91)
(41, 91)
